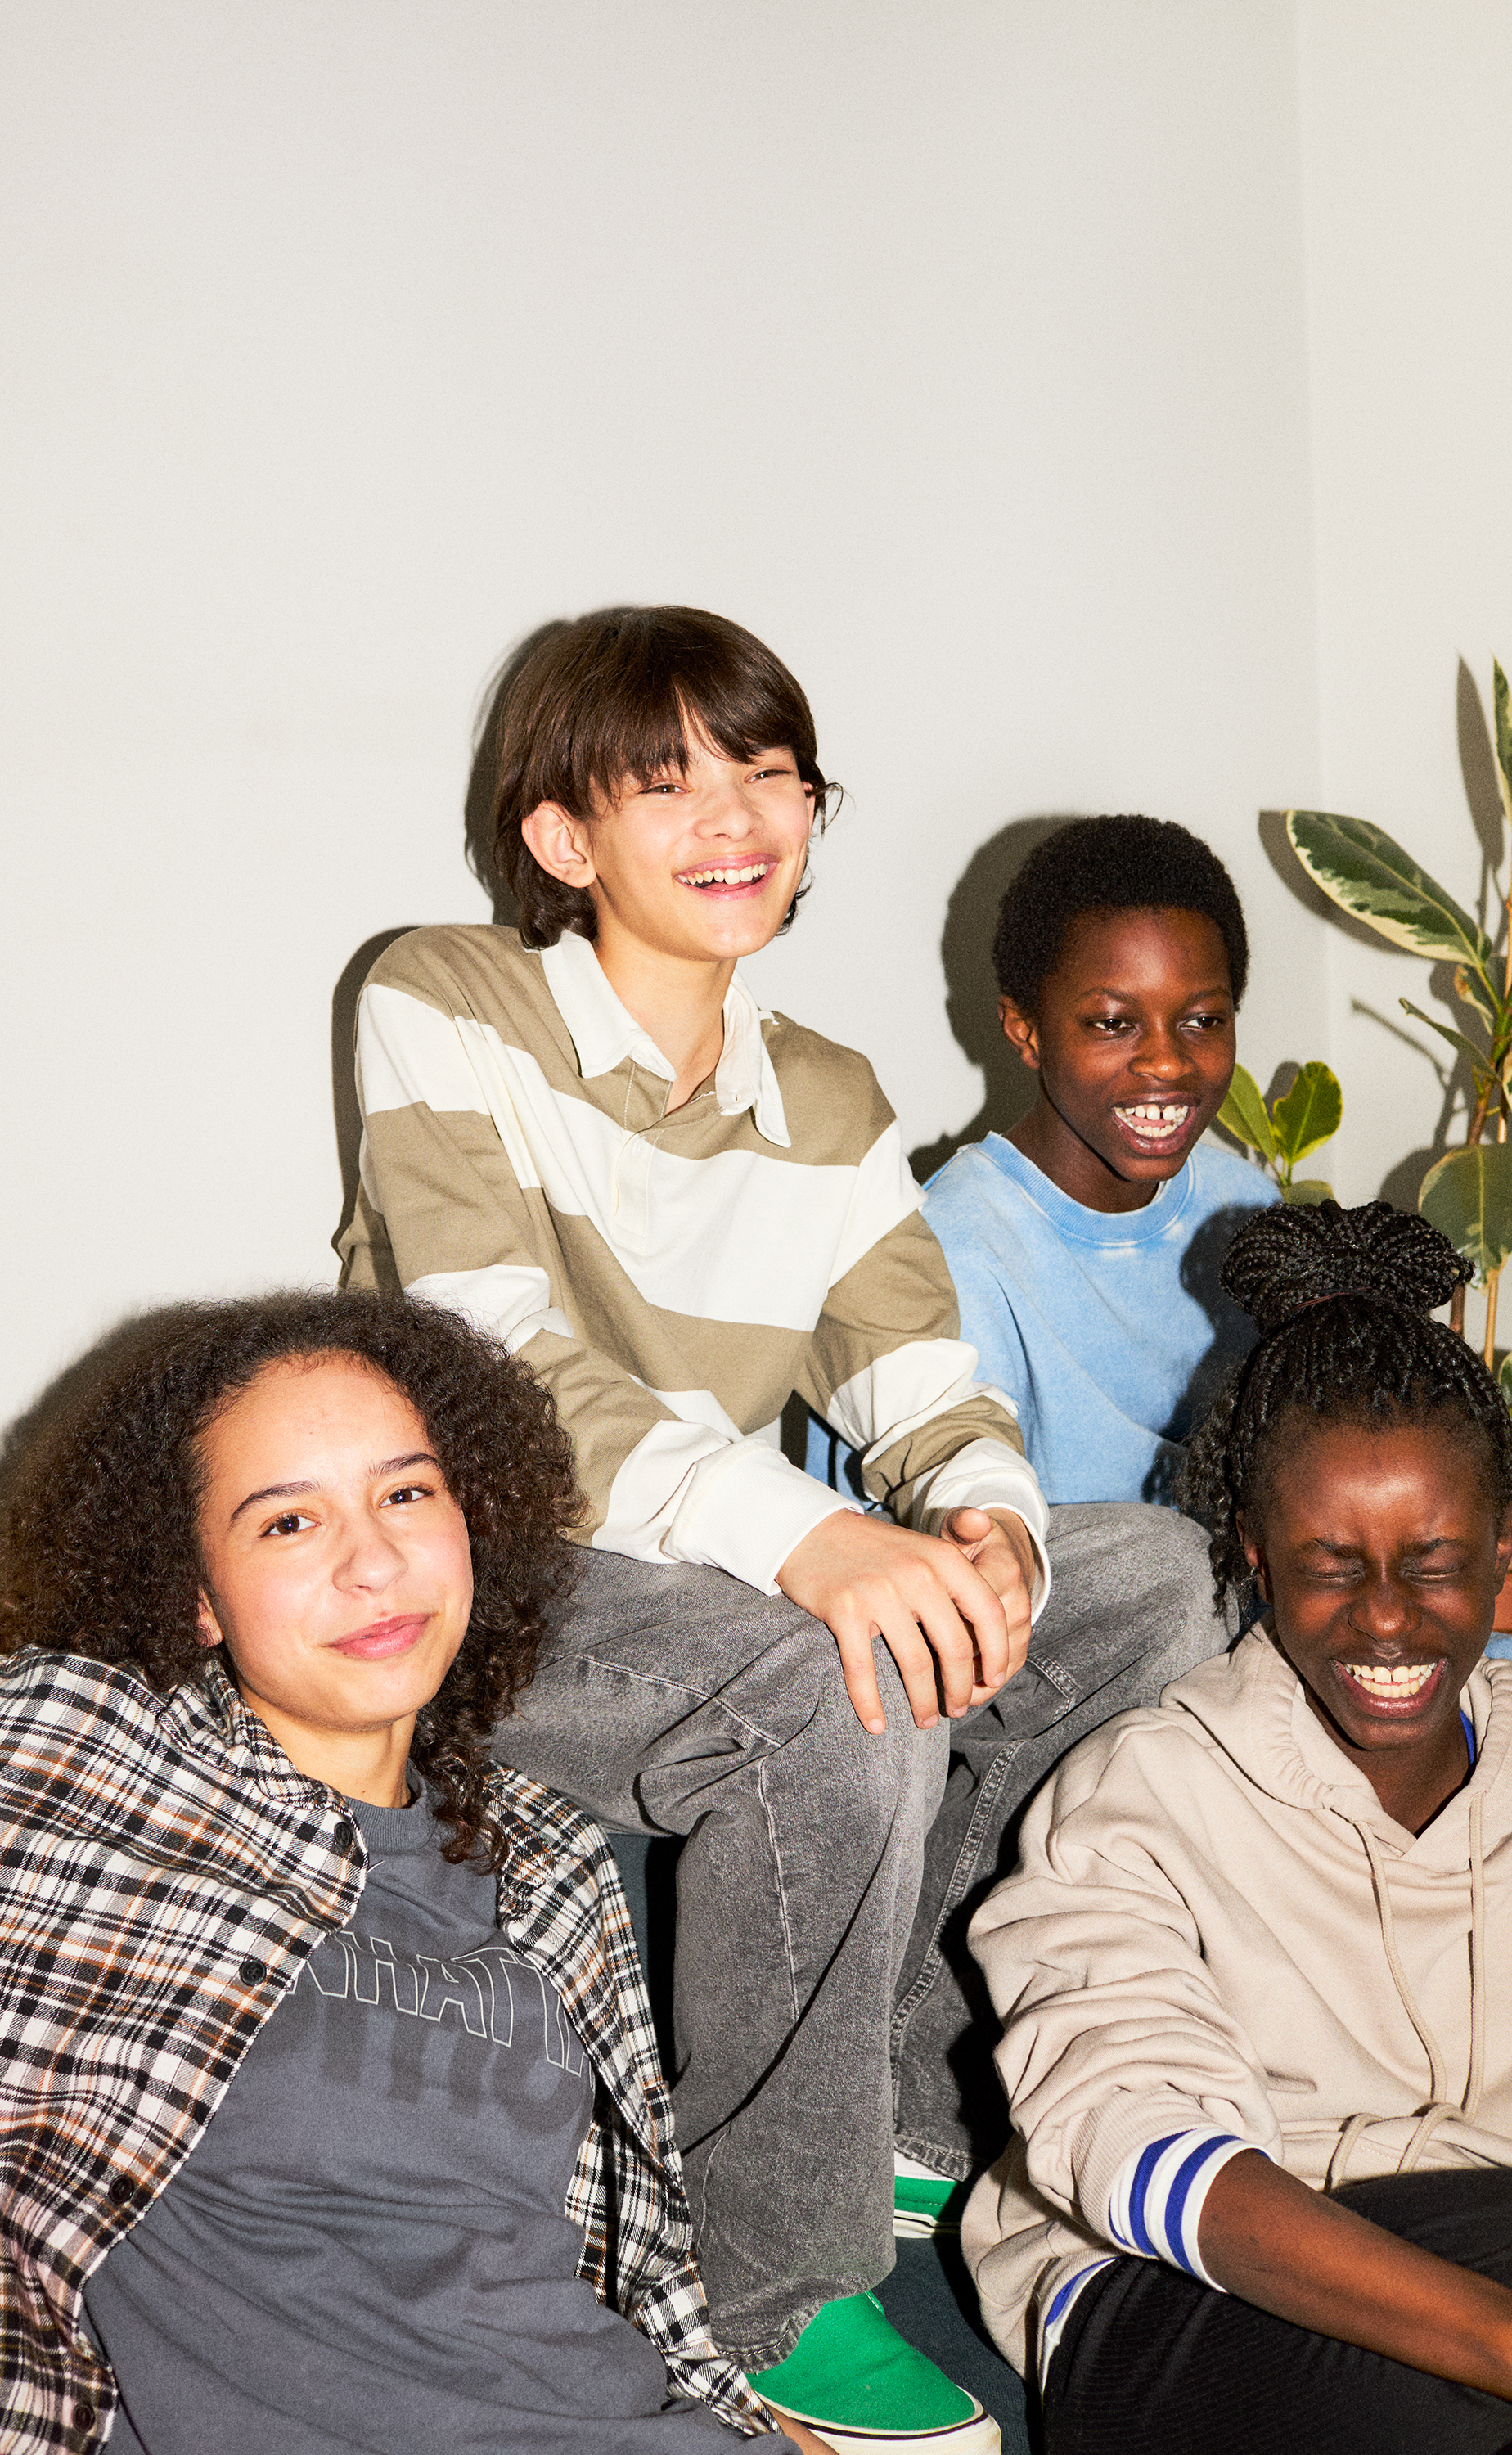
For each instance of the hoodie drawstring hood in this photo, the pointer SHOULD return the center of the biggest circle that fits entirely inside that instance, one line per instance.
(1440, 2107)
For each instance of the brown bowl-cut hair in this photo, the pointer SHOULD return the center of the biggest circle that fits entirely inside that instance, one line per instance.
(612, 697)
(102, 1549)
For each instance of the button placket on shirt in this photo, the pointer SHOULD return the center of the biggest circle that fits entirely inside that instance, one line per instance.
(645, 1106)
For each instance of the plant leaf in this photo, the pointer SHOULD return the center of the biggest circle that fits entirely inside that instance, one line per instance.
(1468, 1196)
(1308, 1189)
(1477, 1056)
(1310, 1113)
(1504, 737)
(1474, 993)
(1363, 869)
(1243, 1114)
(1504, 1378)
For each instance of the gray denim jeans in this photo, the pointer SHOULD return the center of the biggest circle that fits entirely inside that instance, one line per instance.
(1131, 1609)
(678, 1700)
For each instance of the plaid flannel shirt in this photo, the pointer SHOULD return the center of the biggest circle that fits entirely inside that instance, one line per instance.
(164, 1874)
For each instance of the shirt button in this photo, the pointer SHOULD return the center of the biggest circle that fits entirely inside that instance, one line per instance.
(84, 2416)
(120, 2191)
(344, 1835)
(251, 1973)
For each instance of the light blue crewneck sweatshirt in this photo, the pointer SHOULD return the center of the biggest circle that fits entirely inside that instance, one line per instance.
(1108, 1329)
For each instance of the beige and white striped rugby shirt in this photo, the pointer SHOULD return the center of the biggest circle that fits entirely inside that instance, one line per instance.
(672, 1279)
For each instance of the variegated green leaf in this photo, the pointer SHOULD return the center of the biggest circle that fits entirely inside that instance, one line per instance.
(1363, 869)
(1309, 1189)
(1504, 1378)
(1468, 1196)
(1310, 1113)
(1504, 737)
(1477, 1057)
(1468, 985)
(1243, 1114)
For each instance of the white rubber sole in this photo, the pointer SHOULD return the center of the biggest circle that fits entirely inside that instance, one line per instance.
(912, 2225)
(978, 2435)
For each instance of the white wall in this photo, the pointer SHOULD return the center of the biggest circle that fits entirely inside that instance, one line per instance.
(978, 357)
(1408, 189)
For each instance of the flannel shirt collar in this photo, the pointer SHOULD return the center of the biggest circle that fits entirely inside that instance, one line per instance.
(214, 1711)
(605, 1033)
(235, 1849)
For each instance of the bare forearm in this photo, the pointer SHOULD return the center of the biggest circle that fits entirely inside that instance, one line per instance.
(1267, 2236)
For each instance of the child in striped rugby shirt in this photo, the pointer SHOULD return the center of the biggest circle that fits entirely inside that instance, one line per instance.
(679, 1209)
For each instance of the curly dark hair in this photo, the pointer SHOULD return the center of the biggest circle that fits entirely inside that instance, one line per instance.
(1342, 1301)
(102, 1546)
(1122, 865)
(610, 696)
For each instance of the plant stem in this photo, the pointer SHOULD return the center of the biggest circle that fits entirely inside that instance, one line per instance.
(1479, 1115)
(1494, 1282)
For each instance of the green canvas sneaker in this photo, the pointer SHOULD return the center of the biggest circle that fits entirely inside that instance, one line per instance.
(924, 2203)
(854, 2382)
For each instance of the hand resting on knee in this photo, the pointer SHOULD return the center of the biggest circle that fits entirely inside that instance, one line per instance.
(953, 1609)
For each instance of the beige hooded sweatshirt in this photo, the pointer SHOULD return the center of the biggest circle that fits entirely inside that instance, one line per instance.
(1214, 1923)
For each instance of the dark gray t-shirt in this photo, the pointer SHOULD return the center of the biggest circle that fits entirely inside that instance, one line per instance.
(367, 2248)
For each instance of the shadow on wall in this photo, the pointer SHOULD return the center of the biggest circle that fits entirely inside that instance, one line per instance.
(478, 807)
(74, 1386)
(477, 834)
(343, 1071)
(971, 987)
(1478, 769)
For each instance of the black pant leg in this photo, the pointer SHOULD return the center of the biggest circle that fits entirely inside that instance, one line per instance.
(1154, 2364)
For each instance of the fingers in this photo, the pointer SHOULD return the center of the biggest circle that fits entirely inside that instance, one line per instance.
(949, 1634)
(980, 1597)
(861, 1680)
(948, 1612)
(1000, 1548)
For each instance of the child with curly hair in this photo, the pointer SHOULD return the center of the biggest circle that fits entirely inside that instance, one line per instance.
(1259, 2067)
(331, 2113)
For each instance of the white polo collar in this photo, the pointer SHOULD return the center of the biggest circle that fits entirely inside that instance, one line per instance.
(605, 1033)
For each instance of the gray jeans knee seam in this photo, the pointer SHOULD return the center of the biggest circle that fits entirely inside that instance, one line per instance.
(776, 1848)
(1059, 1676)
(983, 1813)
(707, 1696)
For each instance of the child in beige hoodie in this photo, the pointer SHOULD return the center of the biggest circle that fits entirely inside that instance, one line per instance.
(1257, 2032)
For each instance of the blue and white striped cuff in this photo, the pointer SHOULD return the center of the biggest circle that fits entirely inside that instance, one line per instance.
(1158, 2195)
(1052, 2324)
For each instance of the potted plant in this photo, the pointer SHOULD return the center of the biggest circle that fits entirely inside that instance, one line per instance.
(1468, 1192)
(1283, 1131)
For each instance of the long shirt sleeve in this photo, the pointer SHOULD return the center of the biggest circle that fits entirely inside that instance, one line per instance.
(671, 1278)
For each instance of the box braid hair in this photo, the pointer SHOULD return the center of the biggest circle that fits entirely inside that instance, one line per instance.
(1342, 1301)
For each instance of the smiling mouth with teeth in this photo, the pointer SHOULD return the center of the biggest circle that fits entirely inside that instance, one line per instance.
(1155, 1121)
(744, 874)
(1395, 1683)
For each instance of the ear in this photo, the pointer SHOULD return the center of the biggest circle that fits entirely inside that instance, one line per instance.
(1020, 1030)
(1255, 1558)
(1503, 1550)
(210, 1628)
(561, 844)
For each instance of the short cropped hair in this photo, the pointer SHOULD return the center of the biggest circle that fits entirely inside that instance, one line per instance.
(1114, 864)
(613, 696)
(102, 1551)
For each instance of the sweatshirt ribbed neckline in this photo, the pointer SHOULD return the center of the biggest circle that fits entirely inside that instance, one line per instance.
(1072, 1219)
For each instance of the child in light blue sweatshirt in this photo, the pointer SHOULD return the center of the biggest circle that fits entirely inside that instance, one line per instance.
(1085, 1252)
(1085, 1244)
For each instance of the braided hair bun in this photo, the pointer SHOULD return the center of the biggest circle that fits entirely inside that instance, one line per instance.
(1343, 1303)
(1290, 1257)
